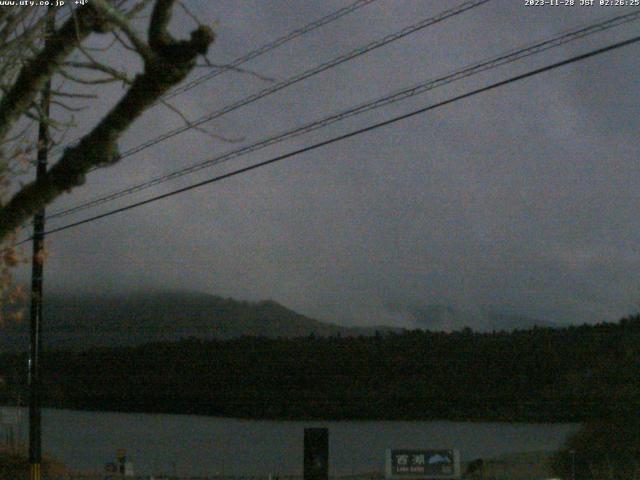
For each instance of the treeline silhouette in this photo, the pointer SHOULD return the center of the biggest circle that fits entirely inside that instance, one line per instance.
(576, 373)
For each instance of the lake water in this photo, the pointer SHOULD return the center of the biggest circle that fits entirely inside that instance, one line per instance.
(196, 445)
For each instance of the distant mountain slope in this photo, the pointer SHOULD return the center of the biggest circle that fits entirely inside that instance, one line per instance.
(82, 321)
(448, 318)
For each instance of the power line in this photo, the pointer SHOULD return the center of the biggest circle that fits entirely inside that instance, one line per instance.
(446, 14)
(267, 47)
(310, 73)
(494, 62)
(354, 133)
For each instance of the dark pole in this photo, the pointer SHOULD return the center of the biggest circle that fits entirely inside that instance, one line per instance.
(35, 417)
(316, 454)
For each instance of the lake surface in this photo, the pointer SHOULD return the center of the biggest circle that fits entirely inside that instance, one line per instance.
(196, 445)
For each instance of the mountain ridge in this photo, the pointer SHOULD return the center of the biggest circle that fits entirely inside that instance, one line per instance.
(448, 318)
(79, 320)
(73, 321)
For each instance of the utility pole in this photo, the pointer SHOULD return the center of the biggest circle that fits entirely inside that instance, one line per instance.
(35, 341)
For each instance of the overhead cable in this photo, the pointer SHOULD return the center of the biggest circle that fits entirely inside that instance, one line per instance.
(310, 73)
(474, 69)
(351, 134)
(267, 47)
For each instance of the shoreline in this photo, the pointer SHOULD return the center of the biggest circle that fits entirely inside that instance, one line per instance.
(303, 419)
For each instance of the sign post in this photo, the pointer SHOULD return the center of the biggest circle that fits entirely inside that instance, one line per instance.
(316, 454)
(422, 464)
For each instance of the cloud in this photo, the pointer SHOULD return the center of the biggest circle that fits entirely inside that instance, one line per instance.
(522, 198)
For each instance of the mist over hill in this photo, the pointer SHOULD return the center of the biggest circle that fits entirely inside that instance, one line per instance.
(83, 321)
(449, 318)
(77, 321)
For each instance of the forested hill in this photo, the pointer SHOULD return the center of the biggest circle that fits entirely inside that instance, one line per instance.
(83, 321)
(543, 374)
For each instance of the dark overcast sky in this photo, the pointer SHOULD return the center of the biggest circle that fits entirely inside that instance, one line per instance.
(524, 198)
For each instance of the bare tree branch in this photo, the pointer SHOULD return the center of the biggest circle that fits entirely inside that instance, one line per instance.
(122, 21)
(167, 62)
(189, 123)
(34, 75)
(97, 66)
